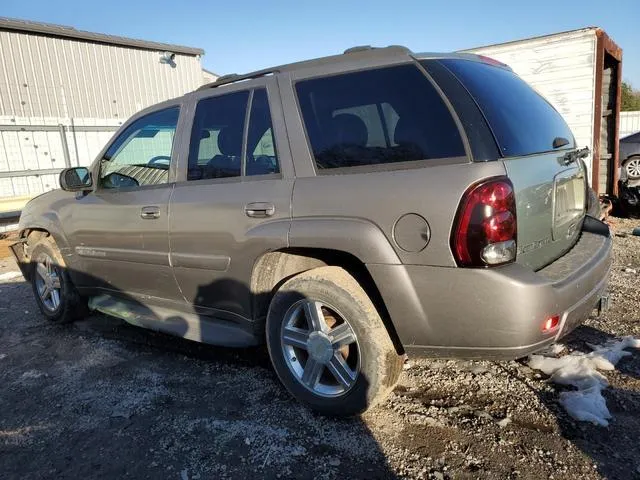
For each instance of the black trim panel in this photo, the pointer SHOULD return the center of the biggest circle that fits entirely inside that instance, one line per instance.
(483, 144)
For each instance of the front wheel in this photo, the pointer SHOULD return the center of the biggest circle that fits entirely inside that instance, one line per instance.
(55, 295)
(328, 345)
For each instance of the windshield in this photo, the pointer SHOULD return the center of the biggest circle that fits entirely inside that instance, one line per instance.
(523, 122)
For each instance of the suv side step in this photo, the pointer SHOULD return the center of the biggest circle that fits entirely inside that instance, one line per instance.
(199, 328)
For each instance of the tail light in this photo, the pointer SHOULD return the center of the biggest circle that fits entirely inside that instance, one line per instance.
(485, 231)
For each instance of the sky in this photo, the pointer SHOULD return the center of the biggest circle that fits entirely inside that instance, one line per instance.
(240, 36)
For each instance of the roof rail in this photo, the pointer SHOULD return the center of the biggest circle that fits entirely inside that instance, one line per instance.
(358, 48)
(234, 77)
(364, 48)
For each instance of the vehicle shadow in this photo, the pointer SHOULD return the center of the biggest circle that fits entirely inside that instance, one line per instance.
(213, 411)
(614, 449)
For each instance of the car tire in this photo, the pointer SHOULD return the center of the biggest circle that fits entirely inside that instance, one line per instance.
(57, 298)
(339, 369)
(632, 167)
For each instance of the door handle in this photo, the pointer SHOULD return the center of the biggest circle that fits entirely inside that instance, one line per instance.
(259, 209)
(150, 213)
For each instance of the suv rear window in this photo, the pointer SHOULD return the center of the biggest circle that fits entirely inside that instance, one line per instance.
(522, 121)
(373, 117)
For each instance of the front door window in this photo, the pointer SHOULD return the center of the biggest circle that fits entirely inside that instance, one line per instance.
(141, 155)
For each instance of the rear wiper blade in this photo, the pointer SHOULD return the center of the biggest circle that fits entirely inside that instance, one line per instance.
(560, 142)
(575, 155)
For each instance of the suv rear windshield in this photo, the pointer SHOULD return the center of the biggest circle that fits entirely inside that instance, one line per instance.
(522, 121)
(373, 117)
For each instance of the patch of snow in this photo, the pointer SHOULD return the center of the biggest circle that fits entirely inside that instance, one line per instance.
(587, 405)
(504, 422)
(9, 276)
(581, 371)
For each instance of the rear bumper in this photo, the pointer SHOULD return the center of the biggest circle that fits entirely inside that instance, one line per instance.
(493, 313)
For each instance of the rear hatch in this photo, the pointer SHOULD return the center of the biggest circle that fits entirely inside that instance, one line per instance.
(538, 154)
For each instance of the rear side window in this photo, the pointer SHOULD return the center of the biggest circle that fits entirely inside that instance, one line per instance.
(374, 117)
(522, 121)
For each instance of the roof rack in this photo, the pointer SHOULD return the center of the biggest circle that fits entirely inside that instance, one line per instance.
(358, 48)
(234, 77)
(364, 48)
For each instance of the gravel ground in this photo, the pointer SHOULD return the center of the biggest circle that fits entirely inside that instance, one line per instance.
(102, 399)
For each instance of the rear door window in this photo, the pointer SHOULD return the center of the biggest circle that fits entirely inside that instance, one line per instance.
(522, 121)
(216, 137)
(381, 116)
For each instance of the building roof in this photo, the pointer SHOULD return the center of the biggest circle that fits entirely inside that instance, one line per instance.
(210, 72)
(52, 30)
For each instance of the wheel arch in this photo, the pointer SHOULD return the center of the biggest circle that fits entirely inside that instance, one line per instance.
(274, 268)
(22, 249)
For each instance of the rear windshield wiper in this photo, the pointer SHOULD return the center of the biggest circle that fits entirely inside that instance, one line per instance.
(560, 142)
(575, 155)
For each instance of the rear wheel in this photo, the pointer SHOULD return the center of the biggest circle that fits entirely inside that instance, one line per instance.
(328, 344)
(55, 295)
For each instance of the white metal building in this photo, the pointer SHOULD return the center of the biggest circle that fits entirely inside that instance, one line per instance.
(629, 123)
(579, 72)
(208, 76)
(63, 93)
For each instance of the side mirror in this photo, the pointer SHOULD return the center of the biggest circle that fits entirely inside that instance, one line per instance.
(75, 179)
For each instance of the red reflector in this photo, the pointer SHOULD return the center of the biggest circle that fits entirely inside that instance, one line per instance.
(551, 323)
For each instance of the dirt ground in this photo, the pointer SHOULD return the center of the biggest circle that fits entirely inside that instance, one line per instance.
(5, 242)
(102, 399)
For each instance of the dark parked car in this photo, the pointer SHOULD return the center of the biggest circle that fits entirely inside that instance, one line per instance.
(344, 211)
(630, 159)
(629, 189)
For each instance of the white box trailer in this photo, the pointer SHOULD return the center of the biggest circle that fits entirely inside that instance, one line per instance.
(580, 73)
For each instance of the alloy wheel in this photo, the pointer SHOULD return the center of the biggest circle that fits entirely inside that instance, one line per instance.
(48, 282)
(633, 168)
(320, 348)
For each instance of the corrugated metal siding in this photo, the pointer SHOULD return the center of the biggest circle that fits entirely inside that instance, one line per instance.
(208, 77)
(82, 86)
(45, 77)
(562, 68)
(629, 123)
